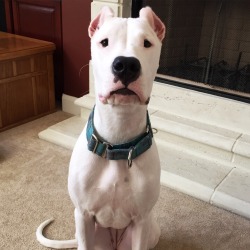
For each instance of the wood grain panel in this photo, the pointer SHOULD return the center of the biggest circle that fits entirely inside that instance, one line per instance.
(41, 93)
(41, 19)
(6, 69)
(23, 66)
(26, 79)
(19, 101)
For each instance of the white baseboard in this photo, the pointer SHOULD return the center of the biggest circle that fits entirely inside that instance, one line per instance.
(68, 105)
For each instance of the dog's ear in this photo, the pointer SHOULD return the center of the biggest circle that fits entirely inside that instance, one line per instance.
(154, 21)
(96, 23)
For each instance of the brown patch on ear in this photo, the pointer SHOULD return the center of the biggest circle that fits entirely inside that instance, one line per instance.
(154, 21)
(95, 24)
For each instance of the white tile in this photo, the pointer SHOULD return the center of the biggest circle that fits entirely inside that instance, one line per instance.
(233, 193)
(64, 133)
(96, 7)
(242, 146)
(194, 148)
(199, 144)
(189, 172)
(72, 126)
(86, 101)
(196, 131)
(120, 8)
(112, 1)
(241, 162)
(69, 106)
(185, 185)
(91, 80)
(197, 106)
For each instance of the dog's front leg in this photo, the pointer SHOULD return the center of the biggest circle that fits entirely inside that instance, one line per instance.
(85, 230)
(140, 233)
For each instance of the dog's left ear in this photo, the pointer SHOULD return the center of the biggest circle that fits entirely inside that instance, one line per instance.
(96, 23)
(154, 21)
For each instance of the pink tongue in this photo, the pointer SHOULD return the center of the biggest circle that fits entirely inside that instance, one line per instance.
(123, 91)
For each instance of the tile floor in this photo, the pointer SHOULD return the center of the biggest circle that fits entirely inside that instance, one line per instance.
(195, 168)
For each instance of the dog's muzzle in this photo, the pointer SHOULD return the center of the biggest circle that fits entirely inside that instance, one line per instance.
(126, 69)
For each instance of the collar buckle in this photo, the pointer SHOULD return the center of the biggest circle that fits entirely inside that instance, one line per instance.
(95, 139)
(97, 142)
(107, 146)
(130, 160)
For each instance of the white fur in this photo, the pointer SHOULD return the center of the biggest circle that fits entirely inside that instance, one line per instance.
(111, 200)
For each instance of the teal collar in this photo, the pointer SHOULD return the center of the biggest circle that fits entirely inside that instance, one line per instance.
(126, 151)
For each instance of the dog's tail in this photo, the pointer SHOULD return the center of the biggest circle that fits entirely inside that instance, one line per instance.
(57, 244)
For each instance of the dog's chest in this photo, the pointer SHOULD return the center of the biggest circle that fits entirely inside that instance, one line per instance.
(117, 195)
(112, 198)
(111, 191)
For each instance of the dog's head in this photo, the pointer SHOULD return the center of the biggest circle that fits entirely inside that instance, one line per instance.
(125, 55)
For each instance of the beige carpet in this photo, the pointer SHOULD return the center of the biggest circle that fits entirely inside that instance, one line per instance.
(33, 187)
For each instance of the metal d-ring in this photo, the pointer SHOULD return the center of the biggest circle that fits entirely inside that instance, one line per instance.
(96, 142)
(130, 161)
(154, 130)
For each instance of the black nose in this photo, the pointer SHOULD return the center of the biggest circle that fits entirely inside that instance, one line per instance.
(126, 69)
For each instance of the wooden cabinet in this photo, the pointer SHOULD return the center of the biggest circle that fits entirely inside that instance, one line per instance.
(41, 19)
(26, 79)
(65, 23)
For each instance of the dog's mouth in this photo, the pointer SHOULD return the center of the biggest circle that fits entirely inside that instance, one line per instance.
(122, 96)
(123, 91)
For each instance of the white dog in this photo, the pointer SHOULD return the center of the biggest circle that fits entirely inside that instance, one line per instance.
(114, 174)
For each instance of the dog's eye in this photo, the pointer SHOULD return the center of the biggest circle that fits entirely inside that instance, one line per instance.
(104, 42)
(147, 44)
